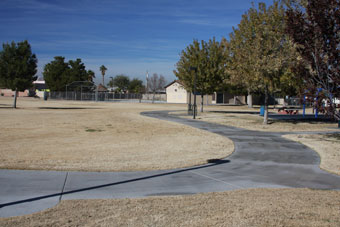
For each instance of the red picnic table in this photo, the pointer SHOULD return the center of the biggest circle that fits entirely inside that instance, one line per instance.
(291, 110)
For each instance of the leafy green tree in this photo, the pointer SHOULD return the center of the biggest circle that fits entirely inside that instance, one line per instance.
(110, 83)
(91, 75)
(208, 60)
(103, 70)
(122, 82)
(77, 71)
(260, 52)
(239, 64)
(315, 28)
(58, 73)
(136, 86)
(18, 66)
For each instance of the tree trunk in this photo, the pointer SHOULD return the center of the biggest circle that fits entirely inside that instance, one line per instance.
(153, 97)
(250, 100)
(15, 98)
(265, 117)
(103, 80)
(202, 97)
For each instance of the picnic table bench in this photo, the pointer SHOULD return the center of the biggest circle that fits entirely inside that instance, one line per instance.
(291, 110)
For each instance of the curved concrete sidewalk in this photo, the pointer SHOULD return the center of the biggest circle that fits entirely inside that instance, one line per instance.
(260, 160)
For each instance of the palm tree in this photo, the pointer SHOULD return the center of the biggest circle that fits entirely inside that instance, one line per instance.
(103, 70)
(91, 75)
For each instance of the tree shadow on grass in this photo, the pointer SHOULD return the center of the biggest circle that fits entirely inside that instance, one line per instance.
(236, 112)
(67, 108)
(280, 118)
(6, 106)
(334, 136)
(295, 119)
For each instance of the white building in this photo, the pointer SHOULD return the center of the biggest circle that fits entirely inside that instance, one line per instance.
(176, 93)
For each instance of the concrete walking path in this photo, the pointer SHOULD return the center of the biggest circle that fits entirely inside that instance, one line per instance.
(260, 160)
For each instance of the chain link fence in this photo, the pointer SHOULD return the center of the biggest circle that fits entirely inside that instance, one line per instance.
(106, 96)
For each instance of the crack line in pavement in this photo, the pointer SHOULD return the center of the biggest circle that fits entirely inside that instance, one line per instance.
(62, 190)
(215, 179)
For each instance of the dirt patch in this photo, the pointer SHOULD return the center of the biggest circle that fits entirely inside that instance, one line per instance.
(327, 146)
(253, 207)
(90, 136)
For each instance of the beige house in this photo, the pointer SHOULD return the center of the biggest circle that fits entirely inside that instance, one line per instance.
(176, 93)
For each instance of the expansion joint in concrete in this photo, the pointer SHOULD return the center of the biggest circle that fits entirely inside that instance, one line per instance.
(218, 180)
(62, 190)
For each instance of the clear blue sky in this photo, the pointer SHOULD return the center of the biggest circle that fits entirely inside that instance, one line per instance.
(127, 36)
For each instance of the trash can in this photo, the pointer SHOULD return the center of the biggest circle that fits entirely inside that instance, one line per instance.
(45, 95)
(262, 111)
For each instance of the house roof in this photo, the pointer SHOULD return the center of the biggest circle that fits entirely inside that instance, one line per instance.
(175, 81)
(40, 86)
(101, 88)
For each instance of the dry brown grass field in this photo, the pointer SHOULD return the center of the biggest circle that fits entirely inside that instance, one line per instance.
(114, 136)
(248, 118)
(90, 136)
(253, 207)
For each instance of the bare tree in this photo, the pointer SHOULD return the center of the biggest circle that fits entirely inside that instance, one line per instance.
(155, 84)
(316, 31)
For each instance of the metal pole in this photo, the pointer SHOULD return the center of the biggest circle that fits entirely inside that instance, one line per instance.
(96, 95)
(304, 105)
(195, 109)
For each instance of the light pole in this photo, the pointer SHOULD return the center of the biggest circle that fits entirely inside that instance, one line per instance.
(111, 80)
(195, 78)
(66, 92)
(189, 104)
(111, 89)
